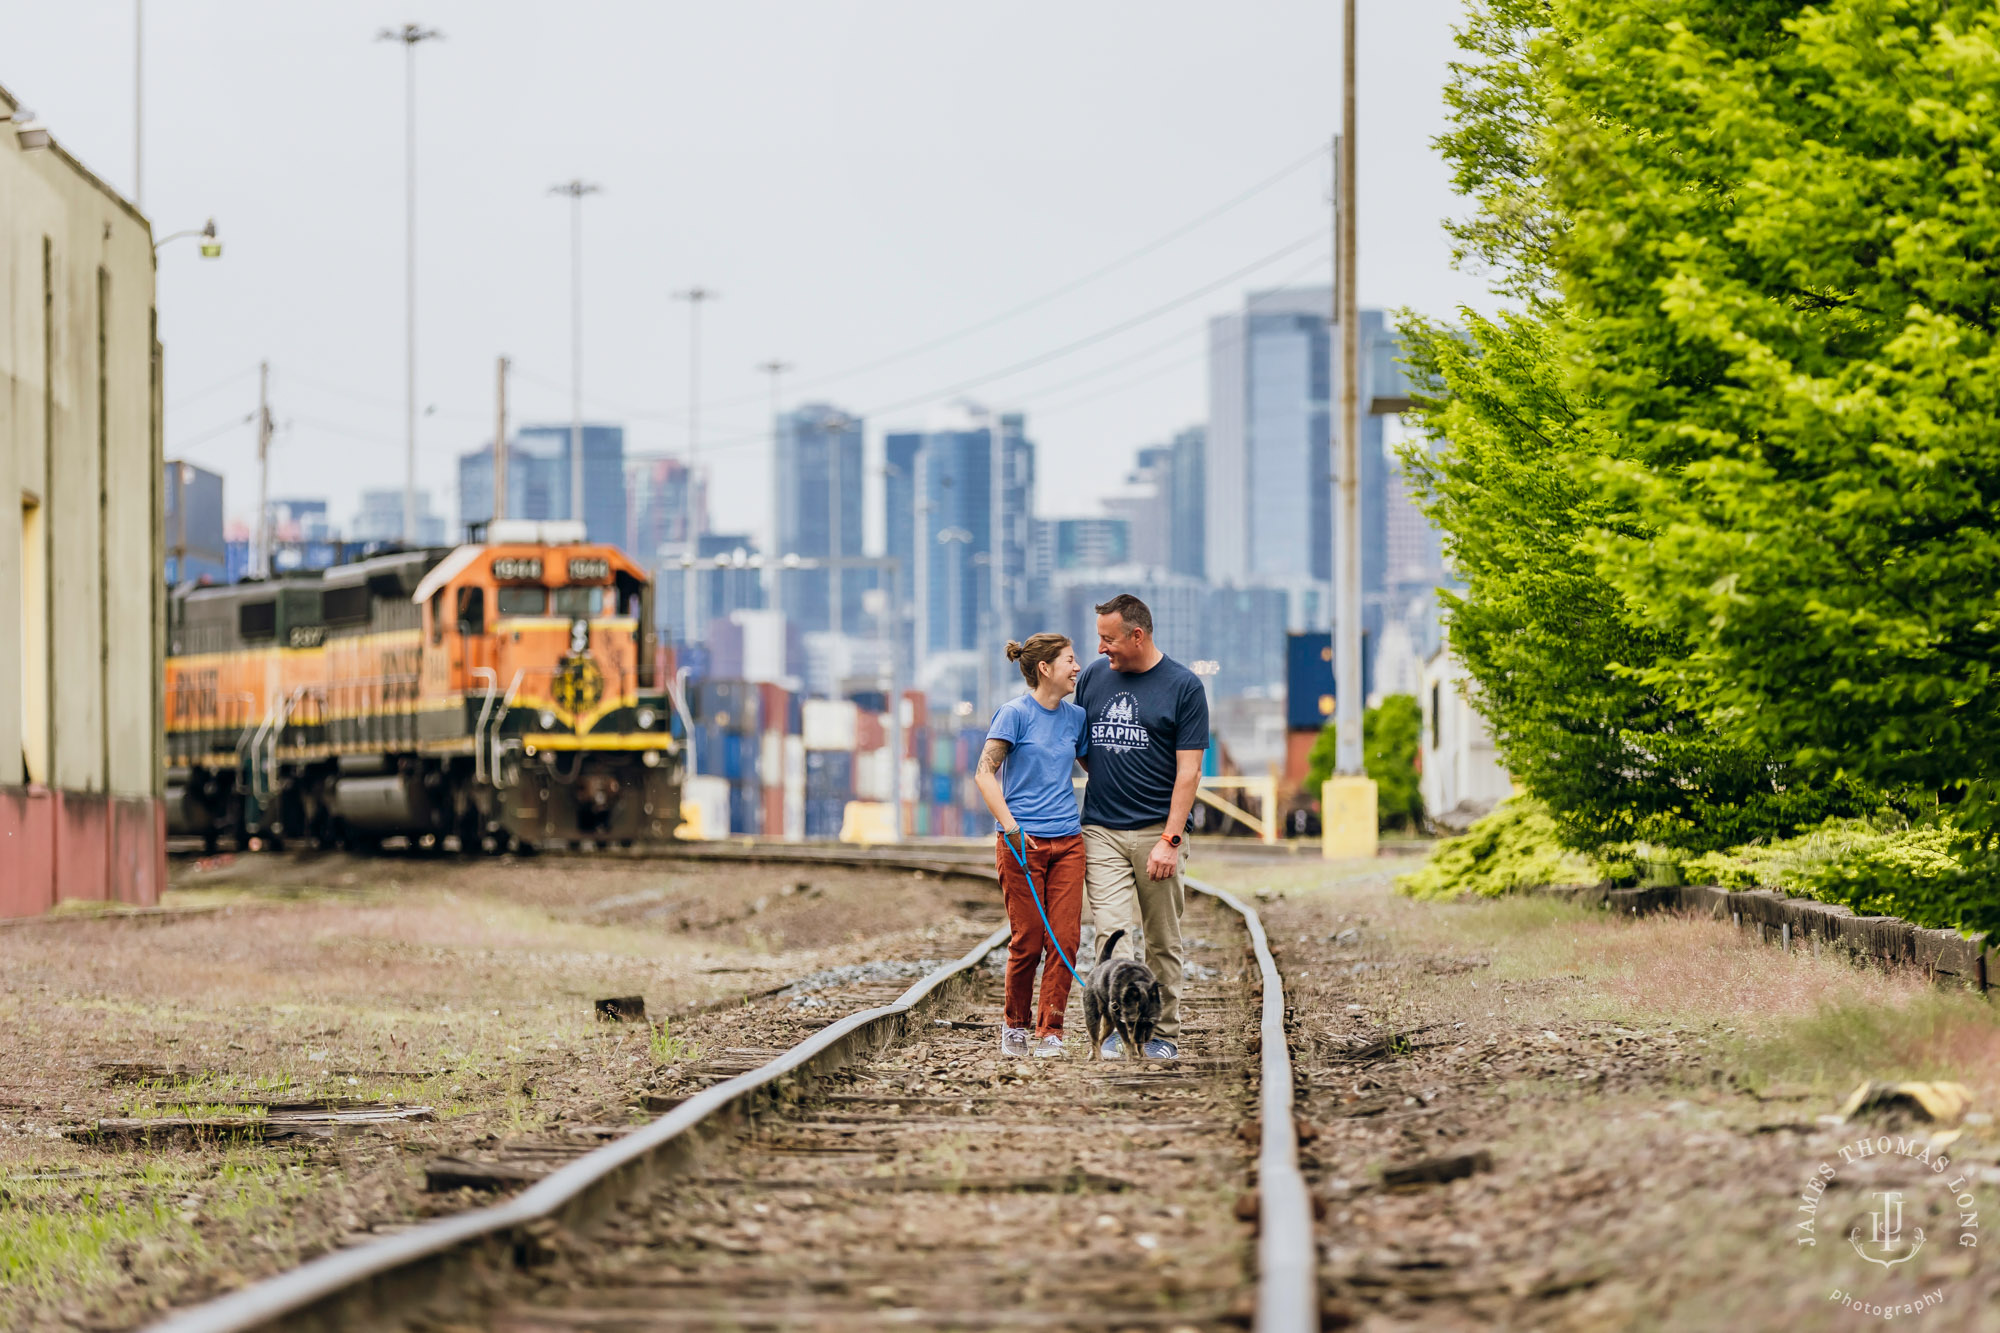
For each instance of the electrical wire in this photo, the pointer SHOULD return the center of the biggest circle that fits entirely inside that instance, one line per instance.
(211, 433)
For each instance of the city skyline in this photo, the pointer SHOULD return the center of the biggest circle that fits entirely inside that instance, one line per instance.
(1048, 213)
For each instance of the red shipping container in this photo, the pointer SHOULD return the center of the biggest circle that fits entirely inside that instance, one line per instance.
(920, 709)
(774, 812)
(777, 702)
(869, 732)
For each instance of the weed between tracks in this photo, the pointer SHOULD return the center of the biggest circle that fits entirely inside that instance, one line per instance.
(1648, 1091)
(466, 987)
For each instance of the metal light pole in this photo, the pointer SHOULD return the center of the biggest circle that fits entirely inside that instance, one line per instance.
(139, 105)
(409, 35)
(694, 296)
(261, 567)
(831, 429)
(1347, 512)
(776, 370)
(575, 190)
(499, 447)
(996, 557)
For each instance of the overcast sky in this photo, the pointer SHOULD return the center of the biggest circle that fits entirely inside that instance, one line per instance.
(856, 180)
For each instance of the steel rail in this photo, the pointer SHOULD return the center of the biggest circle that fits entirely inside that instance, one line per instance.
(1287, 1253)
(367, 1286)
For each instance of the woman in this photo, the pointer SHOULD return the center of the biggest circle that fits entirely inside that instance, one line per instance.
(1024, 775)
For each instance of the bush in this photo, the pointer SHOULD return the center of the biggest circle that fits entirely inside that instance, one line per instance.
(1879, 867)
(1390, 735)
(1514, 848)
(1928, 874)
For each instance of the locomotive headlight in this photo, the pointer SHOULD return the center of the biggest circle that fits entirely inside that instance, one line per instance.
(646, 719)
(547, 719)
(652, 758)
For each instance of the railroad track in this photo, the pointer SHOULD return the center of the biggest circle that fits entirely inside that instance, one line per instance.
(889, 1170)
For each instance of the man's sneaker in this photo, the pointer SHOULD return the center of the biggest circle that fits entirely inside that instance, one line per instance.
(1113, 1049)
(1014, 1042)
(1048, 1047)
(1159, 1048)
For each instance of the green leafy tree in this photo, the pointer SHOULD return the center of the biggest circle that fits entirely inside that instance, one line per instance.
(1783, 301)
(1390, 734)
(1566, 671)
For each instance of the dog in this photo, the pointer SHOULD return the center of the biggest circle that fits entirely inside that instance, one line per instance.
(1122, 995)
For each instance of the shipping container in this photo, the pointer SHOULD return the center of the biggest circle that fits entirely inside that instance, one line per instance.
(731, 705)
(829, 724)
(824, 817)
(942, 787)
(746, 808)
(870, 731)
(872, 774)
(916, 710)
(778, 710)
(829, 774)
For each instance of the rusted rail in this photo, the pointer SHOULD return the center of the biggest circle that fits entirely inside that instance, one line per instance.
(380, 1284)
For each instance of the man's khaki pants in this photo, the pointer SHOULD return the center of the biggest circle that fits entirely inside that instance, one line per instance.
(1123, 897)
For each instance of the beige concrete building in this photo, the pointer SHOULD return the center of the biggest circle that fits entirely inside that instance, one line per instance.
(81, 584)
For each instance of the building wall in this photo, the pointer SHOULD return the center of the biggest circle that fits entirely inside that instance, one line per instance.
(1461, 767)
(81, 536)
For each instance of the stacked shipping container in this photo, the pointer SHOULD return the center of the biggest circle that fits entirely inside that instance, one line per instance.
(794, 764)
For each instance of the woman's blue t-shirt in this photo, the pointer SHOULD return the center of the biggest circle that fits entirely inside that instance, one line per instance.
(1035, 778)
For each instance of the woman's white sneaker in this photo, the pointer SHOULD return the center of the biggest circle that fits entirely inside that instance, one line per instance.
(1048, 1047)
(1014, 1042)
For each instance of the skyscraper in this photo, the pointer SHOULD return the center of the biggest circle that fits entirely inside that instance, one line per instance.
(1269, 455)
(940, 524)
(820, 484)
(538, 476)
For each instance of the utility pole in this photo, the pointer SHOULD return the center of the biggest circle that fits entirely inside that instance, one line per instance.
(410, 34)
(776, 370)
(263, 562)
(920, 556)
(996, 564)
(139, 105)
(575, 190)
(499, 446)
(1347, 514)
(694, 296)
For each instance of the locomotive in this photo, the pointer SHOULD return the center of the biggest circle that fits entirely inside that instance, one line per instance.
(506, 693)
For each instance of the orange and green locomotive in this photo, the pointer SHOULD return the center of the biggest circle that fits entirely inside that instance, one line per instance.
(505, 694)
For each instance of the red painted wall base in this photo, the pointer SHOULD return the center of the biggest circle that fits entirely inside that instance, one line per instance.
(58, 845)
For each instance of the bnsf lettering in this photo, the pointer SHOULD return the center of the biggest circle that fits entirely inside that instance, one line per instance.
(399, 674)
(195, 698)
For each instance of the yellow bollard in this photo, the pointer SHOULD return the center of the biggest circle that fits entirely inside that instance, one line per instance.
(1347, 819)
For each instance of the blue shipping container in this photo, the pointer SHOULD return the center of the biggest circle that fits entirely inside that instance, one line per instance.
(1308, 681)
(746, 807)
(829, 774)
(824, 816)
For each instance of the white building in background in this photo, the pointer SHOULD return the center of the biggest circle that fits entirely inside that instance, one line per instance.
(1462, 777)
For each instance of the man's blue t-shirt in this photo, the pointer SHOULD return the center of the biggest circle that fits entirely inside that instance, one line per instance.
(1035, 778)
(1137, 721)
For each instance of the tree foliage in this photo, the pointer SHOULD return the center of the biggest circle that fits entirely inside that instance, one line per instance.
(1722, 491)
(1779, 268)
(1390, 735)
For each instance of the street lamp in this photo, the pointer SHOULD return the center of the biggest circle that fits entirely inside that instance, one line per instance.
(410, 34)
(211, 244)
(575, 190)
(694, 296)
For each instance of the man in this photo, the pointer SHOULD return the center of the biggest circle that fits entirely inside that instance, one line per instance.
(1148, 722)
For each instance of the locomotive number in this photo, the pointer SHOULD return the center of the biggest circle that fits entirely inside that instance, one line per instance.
(583, 568)
(307, 636)
(527, 567)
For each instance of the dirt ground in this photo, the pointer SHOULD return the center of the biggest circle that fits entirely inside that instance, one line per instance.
(1642, 1105)
(459, 990)
(937, 1185)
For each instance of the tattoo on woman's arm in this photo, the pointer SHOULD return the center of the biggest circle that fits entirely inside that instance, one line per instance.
(993, 756)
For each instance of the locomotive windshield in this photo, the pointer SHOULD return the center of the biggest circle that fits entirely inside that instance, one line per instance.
(572, 603)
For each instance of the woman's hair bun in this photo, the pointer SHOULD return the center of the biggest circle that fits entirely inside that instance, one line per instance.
(1014, 651)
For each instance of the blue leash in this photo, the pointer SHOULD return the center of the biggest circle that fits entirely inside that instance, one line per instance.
(1021, 859)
